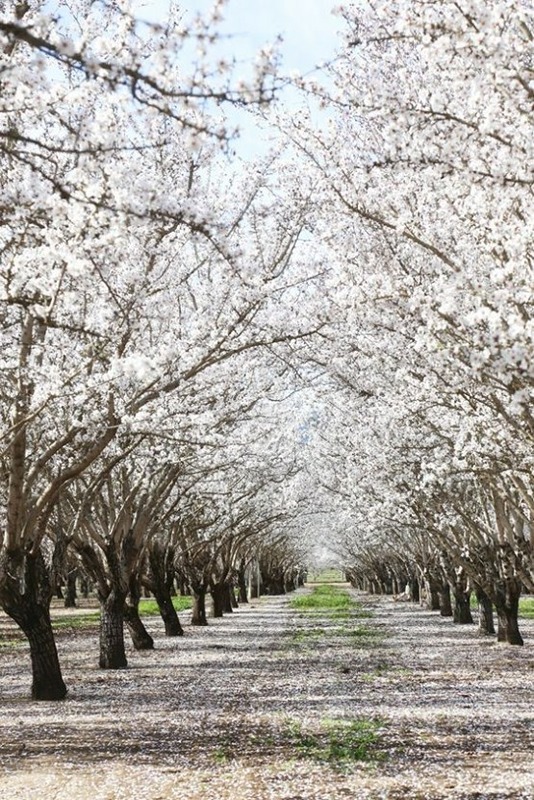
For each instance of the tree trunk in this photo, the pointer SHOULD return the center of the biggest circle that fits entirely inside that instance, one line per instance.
(254, 583)
(485, 612)
(445, 607)
(70, 590)
(217, 595)
(462, 607)
(228, 602)
(241, 583)
(273, 583)
(242, 586)
(198, 616)
(161, 583)
(141, 639)
(432, 601)
(47, 681)
(30, 610)
(173, 626)
(112, 653)
(290, 585)
(507, 606)
(233, 597)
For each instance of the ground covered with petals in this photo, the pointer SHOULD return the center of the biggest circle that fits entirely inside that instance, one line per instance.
(269, 701)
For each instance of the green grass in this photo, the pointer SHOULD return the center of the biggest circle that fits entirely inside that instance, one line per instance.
(222, 756)
(363, 635)
(149, 607)
(11, 643)
(337, 604)
(308, 635)
(338, 742)
(335, 601)
(326, 576)
(76, 621)
(526, 607)
(324, 597)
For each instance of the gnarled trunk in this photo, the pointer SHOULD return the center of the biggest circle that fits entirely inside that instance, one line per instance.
(445, 606)
(506, 601)
(228, 598)
(198, 616)
(254, 582)
(432, 600)
(173, 626)
(112, 653)
(217, 593)
(242, 584)
(485, 612)
(47, 681)
(462, 607)
(30, 609)
(70, 590)
(161, 584)
(141, 639)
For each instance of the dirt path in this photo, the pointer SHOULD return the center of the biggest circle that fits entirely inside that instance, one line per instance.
(214, 715)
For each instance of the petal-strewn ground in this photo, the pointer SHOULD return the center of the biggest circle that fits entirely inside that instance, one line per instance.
(227, 711)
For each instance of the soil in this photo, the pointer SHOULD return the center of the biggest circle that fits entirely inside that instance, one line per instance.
(213, 714)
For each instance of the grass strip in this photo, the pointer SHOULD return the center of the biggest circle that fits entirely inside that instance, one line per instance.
(526, 607)
(338, 743)
(334, 600)
(147, 608)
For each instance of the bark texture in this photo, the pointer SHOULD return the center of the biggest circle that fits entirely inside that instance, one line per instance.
(112, 653)
(506, 601)
(198, 616)
(141, 639)
(27, 602)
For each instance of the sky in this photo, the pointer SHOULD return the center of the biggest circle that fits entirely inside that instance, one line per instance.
(308, 28)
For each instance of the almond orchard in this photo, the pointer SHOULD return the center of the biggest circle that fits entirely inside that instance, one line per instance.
(223, 371)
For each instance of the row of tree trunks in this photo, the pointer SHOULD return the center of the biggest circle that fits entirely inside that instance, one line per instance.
(223, 598)
(31, 611)
(436, 596)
